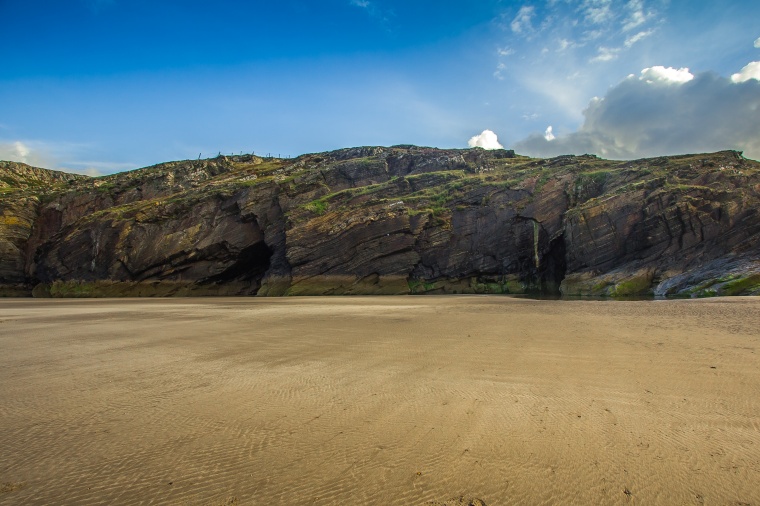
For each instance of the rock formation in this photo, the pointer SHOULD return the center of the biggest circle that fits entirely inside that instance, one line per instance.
(377, 220)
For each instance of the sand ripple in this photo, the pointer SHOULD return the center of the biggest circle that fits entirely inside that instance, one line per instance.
(363, 400)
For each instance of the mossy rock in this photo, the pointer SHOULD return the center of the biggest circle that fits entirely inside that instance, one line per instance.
(617, 284)
(749, 285)
(729, 285)
(637, 285)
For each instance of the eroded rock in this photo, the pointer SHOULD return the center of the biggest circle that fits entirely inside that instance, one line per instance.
(379, 220)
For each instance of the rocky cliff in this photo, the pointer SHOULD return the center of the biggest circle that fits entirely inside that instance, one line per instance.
(379, 220)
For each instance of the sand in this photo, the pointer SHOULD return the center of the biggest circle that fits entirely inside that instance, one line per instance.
(379, 400)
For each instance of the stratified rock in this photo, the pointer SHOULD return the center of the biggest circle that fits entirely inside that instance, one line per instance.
(21, 188)
(379, 220)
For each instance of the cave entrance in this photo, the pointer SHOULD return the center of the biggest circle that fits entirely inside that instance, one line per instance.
(553, 267)
(251, 265)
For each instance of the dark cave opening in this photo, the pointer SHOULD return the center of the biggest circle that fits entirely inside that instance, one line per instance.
(545, 279)
(553, 267)
(251, 265)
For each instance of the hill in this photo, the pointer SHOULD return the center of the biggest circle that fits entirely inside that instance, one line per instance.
(386, 220)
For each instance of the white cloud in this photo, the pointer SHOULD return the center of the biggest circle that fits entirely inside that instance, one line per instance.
(637, 16)
(505, 51)
(548, 135)
(563, 44)
(750, 71)
(361, 3)
(16, 151)
(592, 34)
(597, 12)
(605, 54)
(666, 75)
(757, 43)
(21, 149)
(31, 153)
(498, 73)
(633, 39)
(50, 155)
(663, 111)
(587, 45)
(486, 140)
(522, 21)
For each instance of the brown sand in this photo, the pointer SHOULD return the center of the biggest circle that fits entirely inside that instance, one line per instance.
(366, 400)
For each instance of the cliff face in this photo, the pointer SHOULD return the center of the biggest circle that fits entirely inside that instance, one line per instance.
(386, 221)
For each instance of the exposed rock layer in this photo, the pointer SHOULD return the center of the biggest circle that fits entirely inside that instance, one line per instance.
(377, 220)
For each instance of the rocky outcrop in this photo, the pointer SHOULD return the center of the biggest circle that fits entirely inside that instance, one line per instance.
(21, 189)
(378, 220)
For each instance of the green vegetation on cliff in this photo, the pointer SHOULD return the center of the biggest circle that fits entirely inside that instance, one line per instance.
(400, 219)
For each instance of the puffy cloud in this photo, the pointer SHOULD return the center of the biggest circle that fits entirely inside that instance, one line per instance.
(757, 42)
(522, 21)
(666, 75)
(750, 71)
(664, 111)
(486, 140)
(548, 135)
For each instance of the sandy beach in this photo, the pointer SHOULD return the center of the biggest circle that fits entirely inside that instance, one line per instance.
(379, 400)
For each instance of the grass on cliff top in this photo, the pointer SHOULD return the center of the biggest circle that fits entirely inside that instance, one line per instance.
(439, 192)
(173, 206)
(439, 189)
(436, 195)
(318, 207)
(436, 192)
(594, 180)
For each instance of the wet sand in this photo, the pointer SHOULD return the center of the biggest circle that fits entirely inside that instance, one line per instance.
(368, 400)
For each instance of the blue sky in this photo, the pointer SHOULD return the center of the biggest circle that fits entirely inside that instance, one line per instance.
(99, 86)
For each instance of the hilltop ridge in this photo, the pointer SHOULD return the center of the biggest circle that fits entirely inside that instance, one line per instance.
(386, 220)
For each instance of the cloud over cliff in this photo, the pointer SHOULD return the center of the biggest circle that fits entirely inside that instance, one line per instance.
(486, 140)
(17, 151)
(664, 111)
